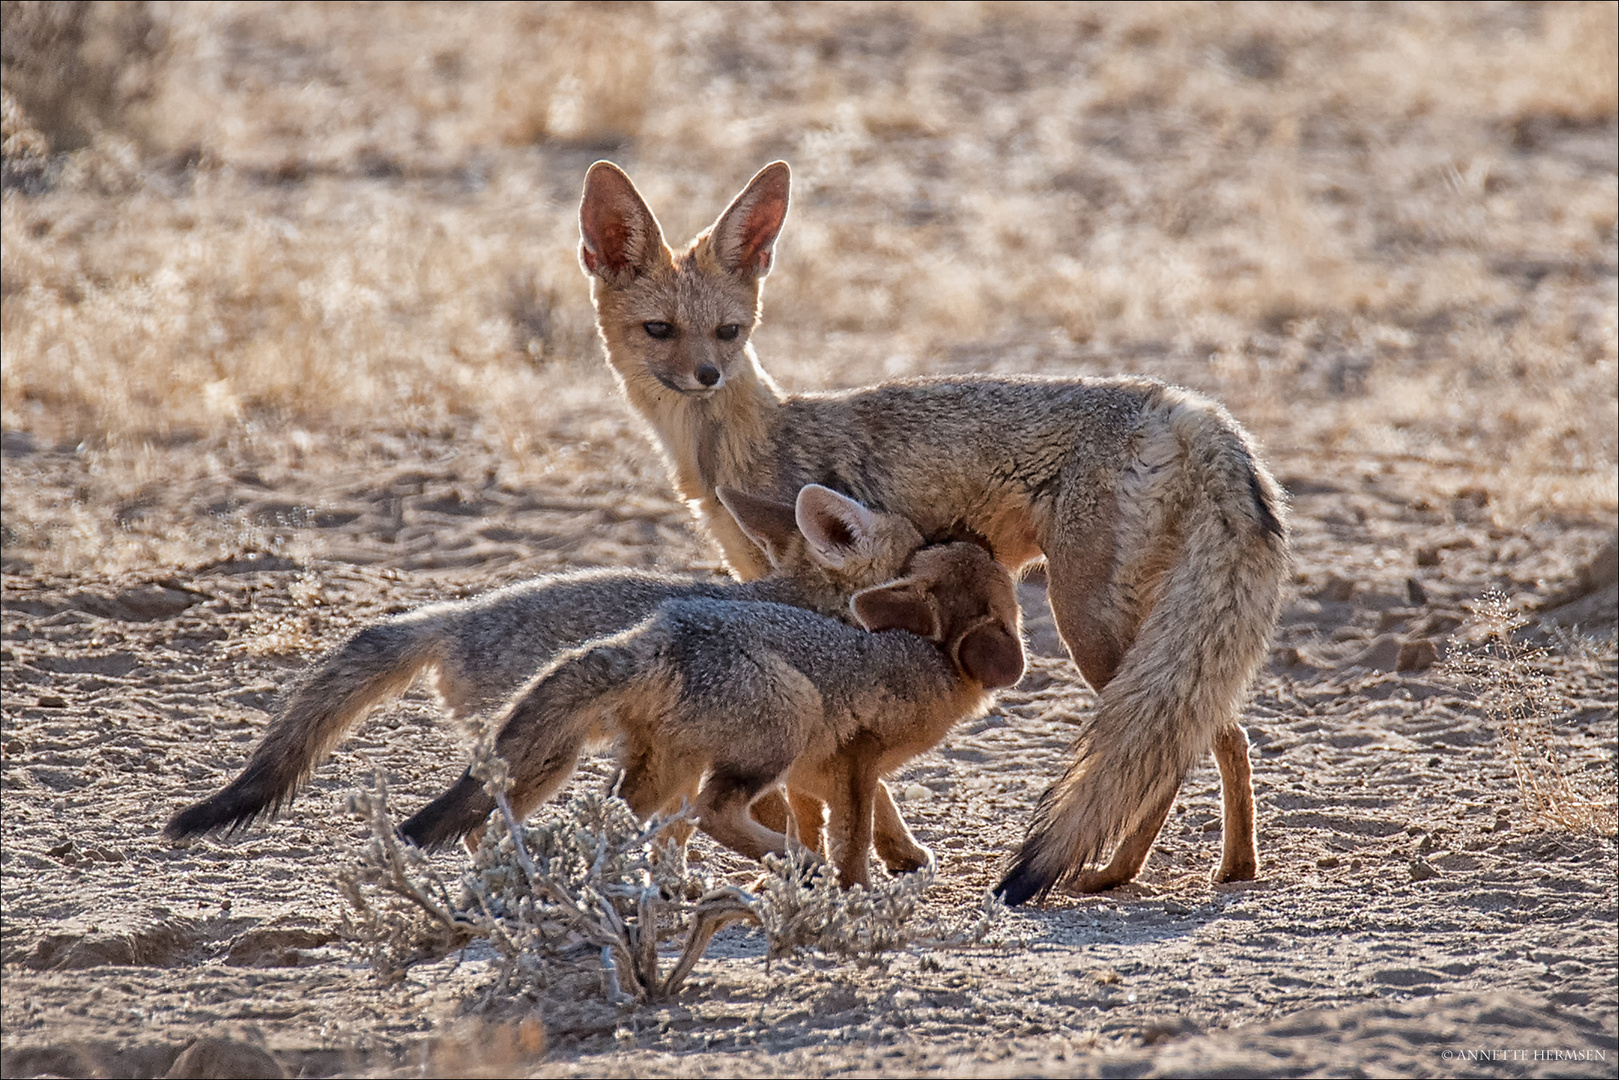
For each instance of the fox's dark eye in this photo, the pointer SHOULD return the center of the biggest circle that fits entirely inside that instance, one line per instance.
(728, 332)
(658, 330)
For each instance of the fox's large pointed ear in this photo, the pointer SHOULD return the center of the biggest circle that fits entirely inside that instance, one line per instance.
(744, 238)
(898, 605)
(618, 236)
(835, 526)
(770, 524)
(992, 655)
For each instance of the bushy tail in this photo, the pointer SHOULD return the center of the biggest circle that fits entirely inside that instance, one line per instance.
(1185, 674)
(376, 663)
(540, 736)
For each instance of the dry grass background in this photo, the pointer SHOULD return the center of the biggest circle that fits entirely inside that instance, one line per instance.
(1382, 234)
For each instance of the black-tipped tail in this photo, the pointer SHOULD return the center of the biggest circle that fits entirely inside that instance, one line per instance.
(246, 799)
(1023, 883)
(450, 816)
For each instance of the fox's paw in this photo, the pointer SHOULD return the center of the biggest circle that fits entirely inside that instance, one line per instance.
(906, 860)
(1095, 881)
(1240, 869)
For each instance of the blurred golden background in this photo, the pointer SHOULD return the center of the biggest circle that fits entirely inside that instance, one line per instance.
(1381, 233)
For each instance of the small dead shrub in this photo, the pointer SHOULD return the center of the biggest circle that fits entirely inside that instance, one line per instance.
(589, 895)
(1520, 699)
(800, 906)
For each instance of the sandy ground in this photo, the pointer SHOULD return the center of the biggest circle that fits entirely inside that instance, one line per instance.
(295, 336)
(1407, 909)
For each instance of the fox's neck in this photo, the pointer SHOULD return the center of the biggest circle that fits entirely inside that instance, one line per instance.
(722, 439)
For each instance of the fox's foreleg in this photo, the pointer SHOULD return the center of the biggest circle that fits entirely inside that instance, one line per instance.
(849, 833)
(895, 844)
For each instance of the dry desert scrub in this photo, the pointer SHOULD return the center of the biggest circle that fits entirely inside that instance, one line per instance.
(1506, 672)
(585, 899)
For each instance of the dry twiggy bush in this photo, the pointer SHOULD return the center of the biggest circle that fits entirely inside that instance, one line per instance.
(588, 896)
(1503, 669)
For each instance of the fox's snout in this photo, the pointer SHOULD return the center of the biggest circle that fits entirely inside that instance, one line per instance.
(688, 380)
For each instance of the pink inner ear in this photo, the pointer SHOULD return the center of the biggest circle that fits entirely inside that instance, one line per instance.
(759, 231)
(618, 232)
(612, 241)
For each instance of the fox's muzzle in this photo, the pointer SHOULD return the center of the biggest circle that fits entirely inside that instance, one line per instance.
(709, 379)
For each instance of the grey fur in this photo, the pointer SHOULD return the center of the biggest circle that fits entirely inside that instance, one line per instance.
(483, 649)
(748, 694)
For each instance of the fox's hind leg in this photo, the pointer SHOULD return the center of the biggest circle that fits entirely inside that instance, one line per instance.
(895, 844)
(808, 812)
(1094, 620)
(722, 808)
(1128, 859)
(1098, 623)
(684, 795)
(809, 815)
(809, 818)
(1240, 860)
(770, 810)
(654, 778)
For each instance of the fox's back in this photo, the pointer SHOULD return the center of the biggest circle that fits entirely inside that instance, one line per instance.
(493, 643)
(937, 449)
(739, 663)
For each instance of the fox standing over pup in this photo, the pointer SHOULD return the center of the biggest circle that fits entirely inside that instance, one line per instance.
(1163, 533)
(1164, 538)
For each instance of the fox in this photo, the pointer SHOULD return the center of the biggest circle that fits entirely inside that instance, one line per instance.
(1163, 534)
(716, 701)
(822, 548)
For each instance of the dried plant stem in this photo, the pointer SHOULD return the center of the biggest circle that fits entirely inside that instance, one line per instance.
(595, 877)
(1520, 700)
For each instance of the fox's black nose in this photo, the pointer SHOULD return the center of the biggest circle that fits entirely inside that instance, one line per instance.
(708, 374)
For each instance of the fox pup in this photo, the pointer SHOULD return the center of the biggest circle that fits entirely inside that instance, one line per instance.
(751, 694)
(1163, 534)
(823, 548)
